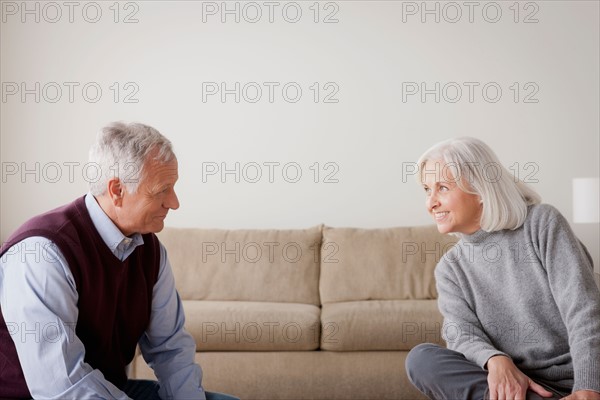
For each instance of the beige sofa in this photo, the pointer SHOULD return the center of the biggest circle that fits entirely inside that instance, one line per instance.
(319, 313)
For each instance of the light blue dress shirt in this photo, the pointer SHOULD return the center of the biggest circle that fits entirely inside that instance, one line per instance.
(39, 297)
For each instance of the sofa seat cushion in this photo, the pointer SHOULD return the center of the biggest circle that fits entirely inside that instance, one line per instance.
(252, 326)
(272, 265)
(380, 264)
(380, 325)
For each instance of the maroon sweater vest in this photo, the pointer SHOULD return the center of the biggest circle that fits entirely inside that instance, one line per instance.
(115, 297)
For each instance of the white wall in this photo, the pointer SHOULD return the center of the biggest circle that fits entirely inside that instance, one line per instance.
(369, 54)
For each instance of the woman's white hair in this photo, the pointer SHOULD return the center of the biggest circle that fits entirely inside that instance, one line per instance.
(121, 150)
(477, 170)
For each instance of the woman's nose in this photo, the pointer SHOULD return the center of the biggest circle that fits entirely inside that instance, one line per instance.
(432, 201)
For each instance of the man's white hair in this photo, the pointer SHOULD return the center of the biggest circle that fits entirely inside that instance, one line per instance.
(122, 150)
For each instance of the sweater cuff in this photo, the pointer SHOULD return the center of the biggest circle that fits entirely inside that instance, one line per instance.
(587, 377)
(482, 358)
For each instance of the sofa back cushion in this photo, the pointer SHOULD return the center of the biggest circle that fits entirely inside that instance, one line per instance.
(245, 265)
(380, 264)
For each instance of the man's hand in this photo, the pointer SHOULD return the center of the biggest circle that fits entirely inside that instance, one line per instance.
(507, 382)
(583, 395)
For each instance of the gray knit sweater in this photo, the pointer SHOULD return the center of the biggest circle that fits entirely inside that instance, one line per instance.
(527, 293)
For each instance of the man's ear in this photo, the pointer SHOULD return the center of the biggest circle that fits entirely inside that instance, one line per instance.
(115, 191)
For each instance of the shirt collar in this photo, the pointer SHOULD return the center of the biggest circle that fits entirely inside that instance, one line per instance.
(120, 245)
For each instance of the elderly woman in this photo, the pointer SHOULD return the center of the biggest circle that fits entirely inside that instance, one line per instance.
(521, 309)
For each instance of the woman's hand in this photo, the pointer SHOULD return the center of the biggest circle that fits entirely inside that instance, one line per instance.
(583, 395)
(507, 382)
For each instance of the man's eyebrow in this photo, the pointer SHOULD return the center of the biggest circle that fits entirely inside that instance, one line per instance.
(161, 186)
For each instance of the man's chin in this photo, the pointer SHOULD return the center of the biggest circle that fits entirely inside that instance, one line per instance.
(159, 226)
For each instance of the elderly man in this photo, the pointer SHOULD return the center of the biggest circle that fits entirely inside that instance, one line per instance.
(82, 285)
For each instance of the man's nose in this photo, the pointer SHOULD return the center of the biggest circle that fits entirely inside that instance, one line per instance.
(173, 201)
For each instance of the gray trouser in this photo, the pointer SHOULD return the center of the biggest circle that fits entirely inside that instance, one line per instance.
(444, 374)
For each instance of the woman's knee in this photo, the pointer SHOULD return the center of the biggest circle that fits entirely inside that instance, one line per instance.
(420, 361)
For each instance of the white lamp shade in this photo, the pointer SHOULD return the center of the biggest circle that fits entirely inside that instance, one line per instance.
(586, 201)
